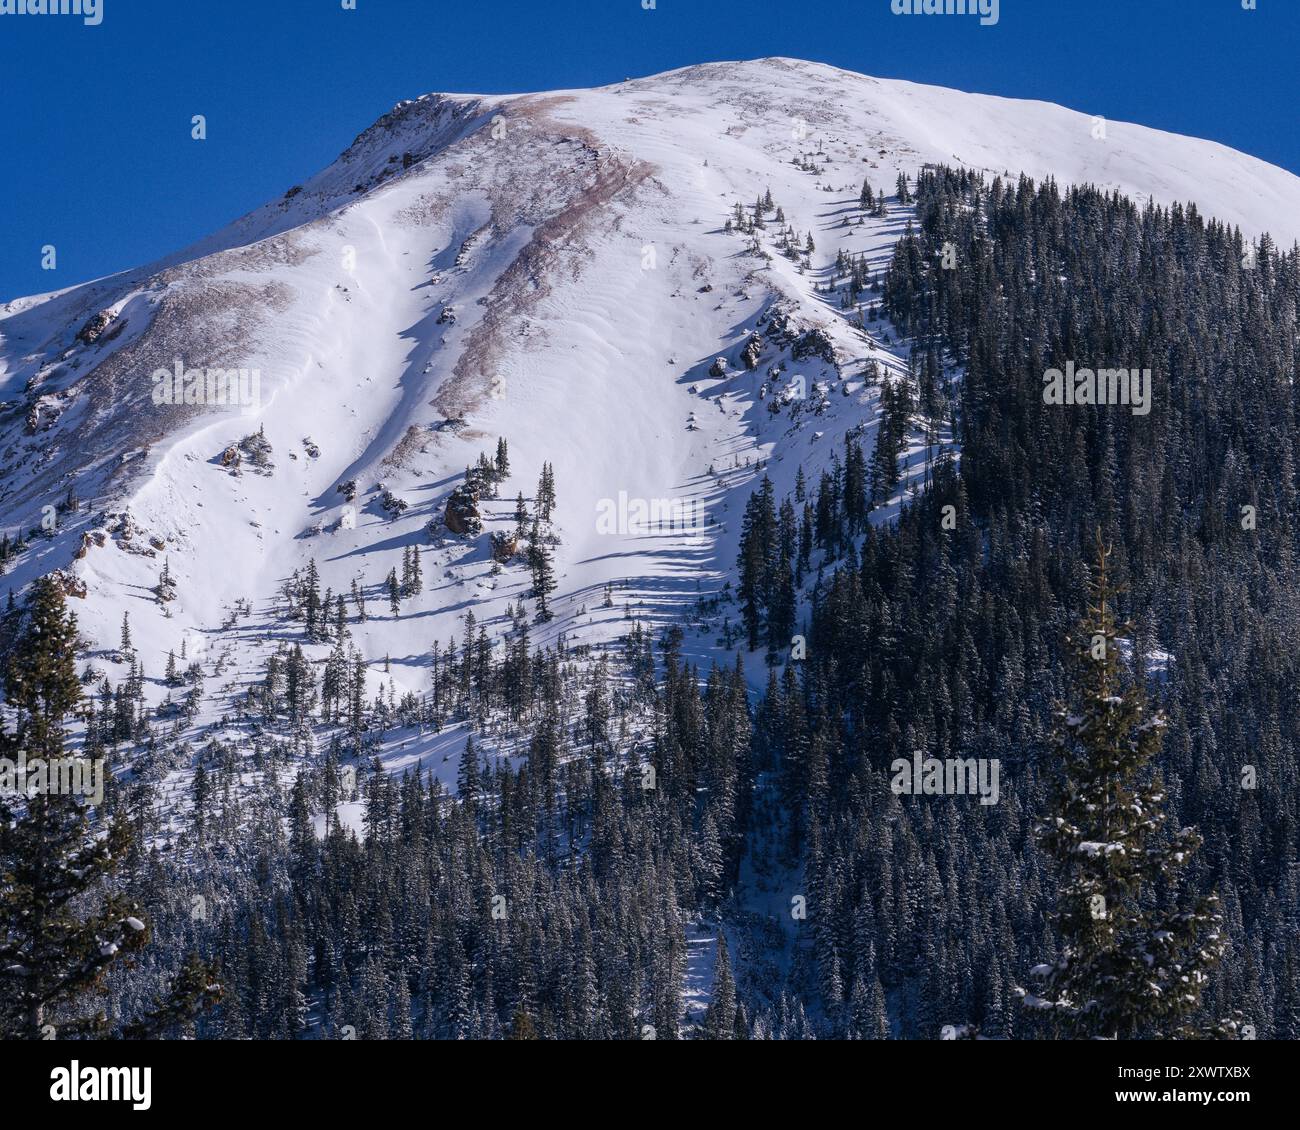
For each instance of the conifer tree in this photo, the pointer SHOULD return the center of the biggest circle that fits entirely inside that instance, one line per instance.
(54, 947)
(522, 1026)
(417, 576)
(467, 772)
(394, 592)
(311, 601)
(1131, 962)
(194, 989)
(757, 558)
(539, 559)
(298, 685)
(521, 517)
(720, 1019)
(545, 501)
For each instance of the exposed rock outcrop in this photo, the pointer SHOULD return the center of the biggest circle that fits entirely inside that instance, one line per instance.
(462, 514)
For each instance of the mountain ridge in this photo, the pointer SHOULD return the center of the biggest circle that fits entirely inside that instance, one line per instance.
(564, 249)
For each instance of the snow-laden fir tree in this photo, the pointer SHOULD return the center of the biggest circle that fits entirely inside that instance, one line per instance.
(58, 933)
(1135, 952)
(720, 1019)
(539, 561)
(544, 503)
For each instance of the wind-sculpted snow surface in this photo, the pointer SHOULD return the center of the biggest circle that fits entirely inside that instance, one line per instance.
(556, 269)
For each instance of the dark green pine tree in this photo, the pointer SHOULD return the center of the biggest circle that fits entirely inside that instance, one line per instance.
(194, 989)
(298, 685)
(1134, 954)
(782, 608)
(720, 1019)
(539, 560)
(545, 501)
(394, 592)
(405, 585)
(757, 558)
(311, 601)
(417, 574)
(521, 517)
(58, 933)
(522, 1026)
(467, 772)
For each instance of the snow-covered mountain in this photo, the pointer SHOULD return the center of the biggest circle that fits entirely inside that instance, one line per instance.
(551, 268)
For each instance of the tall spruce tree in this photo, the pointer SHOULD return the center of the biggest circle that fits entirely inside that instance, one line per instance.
(539, 560)
(1134, 954)
(720, 1018)
(60, 929)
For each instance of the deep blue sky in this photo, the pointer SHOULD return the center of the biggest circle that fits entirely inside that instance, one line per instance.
(95, 122)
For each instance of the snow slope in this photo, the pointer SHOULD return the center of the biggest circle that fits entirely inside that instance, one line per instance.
(552, 268)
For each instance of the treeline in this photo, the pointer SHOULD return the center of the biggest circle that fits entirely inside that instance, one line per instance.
(548, 899)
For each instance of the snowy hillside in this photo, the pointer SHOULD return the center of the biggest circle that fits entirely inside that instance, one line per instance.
(554, 269)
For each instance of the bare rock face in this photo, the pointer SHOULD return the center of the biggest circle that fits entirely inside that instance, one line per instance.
(782, 329)
(69, 583)
(43, 413)
(504, 546)
(815, 343)
(776, 324)
(753, 349)
(91, 539)
(462, 515)
(94, 329)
